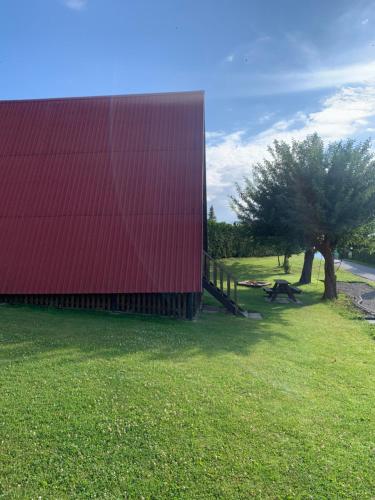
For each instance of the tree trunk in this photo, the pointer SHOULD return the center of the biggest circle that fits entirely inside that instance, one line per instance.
(330, 290)
(308, 260)
(286, 264)
(278, 261)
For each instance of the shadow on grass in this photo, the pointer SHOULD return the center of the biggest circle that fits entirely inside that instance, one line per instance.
(28, 333)
(255, 299)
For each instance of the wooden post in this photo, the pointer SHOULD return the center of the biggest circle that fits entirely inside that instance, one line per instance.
(114, 302)
(189, 306)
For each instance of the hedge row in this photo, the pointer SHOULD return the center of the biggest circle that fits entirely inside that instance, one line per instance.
(364, 256)
(233, 240)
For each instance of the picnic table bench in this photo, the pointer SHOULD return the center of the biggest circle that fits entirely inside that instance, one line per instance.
(282, 287)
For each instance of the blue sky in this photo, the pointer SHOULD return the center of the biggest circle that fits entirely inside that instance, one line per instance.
(270, 69)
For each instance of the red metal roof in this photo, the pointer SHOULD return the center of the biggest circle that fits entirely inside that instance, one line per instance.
(102, 194)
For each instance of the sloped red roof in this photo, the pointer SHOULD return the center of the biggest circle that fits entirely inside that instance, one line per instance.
(102, 194)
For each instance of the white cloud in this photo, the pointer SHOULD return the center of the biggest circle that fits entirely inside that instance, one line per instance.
(76, 4)
(304, 47)
(215, 135)
(242, 83)
(229, 58)
(329, 77)
(348, 112)
(266, 117)
(263, 38)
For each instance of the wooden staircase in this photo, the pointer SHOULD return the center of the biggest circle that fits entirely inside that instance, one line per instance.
(221, 284)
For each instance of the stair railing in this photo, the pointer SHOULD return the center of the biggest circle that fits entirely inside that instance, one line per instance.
(219, 275)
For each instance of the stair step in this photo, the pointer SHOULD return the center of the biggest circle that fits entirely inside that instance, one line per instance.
(224, 278)
(219, 289)
(222, 297)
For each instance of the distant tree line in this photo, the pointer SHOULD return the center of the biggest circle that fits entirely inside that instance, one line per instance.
(361, 249)
(233, 240)
(362, 256)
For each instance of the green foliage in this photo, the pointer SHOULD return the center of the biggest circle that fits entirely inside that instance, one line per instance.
(263, 203)
(220, 239)
(362, 256)
(334, 189)
(211, 214)
(286, 264)
(233, 240)
(224, 241)
(361, 242)
(96, 405)
(306, 195)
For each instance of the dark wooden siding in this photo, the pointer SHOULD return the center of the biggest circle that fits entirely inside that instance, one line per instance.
(179, 305)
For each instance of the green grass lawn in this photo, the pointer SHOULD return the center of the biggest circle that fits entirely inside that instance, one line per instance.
(94, 405)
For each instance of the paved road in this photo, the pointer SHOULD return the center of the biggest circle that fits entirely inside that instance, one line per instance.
(362, 270)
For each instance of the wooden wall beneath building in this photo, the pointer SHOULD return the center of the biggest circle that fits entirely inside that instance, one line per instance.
(180, 305)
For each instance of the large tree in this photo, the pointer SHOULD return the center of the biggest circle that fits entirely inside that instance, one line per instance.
(334, 195)
(317, 196)
(262, 203)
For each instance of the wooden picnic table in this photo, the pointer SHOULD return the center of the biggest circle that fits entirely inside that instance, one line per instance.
(282, 287)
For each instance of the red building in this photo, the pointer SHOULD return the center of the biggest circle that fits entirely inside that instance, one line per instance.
(102, 202)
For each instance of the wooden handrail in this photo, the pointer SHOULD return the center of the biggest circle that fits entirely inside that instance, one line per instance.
(220, 276)
(219, 266)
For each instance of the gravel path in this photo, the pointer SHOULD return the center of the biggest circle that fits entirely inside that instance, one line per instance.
(362, 294)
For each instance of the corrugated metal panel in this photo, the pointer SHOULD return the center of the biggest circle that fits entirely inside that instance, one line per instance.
(102, 195)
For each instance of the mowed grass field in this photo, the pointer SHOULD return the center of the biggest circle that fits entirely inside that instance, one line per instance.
(96, 405)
